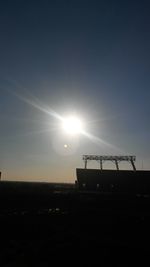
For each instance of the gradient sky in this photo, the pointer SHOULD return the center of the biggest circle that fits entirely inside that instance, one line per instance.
(91, 58)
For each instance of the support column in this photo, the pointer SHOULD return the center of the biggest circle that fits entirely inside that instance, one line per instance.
(117, 166)
(132, 163)
(85, 163)
(101, 164)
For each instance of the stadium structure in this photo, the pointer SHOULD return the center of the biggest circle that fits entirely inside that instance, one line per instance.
(104, 215)
(100, 180)
(116, 180)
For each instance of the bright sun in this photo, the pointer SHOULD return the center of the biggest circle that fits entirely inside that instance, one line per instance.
(72, 125)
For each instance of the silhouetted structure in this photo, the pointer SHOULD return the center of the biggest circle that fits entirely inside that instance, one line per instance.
(115, 159)
(127, 181)
(103, 213)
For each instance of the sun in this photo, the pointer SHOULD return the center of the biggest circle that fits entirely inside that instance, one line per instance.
(72, 125)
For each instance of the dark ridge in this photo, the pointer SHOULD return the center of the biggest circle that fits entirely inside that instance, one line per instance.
(44, 224)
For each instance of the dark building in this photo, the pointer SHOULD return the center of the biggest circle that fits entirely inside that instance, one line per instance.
(123, 181)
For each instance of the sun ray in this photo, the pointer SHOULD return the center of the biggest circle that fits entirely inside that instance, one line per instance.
(72, 125)
(98, 141)
(41, 107)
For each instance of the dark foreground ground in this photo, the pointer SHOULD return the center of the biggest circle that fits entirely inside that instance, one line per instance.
(64, 226)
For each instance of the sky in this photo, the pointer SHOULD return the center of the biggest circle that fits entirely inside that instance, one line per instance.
(86, 58)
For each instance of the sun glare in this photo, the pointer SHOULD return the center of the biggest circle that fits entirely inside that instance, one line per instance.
(72, 125)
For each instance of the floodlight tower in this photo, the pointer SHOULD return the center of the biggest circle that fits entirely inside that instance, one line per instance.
(115, 159)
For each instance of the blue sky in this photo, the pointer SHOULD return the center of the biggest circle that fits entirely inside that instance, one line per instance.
(86, 57)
